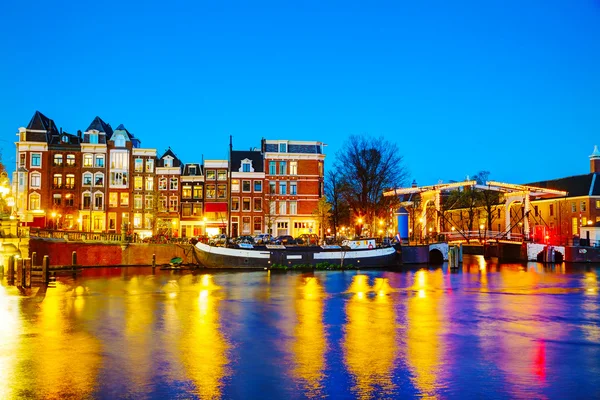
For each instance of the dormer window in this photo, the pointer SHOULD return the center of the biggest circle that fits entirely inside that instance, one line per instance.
(246, 166)
(168, 162)
(119, 141)
(192, 170)
(64, 139)
(94, 137)
(283, 147)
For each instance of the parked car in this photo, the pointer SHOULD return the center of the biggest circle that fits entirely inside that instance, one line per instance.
(284, 239)
(218, 240)
(308, 239)
(263, 238)
(244, 239)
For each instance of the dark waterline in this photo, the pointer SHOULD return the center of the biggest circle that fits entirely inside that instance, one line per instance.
(486, 331)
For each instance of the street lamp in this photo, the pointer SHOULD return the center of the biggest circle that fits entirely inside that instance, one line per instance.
(53, 220)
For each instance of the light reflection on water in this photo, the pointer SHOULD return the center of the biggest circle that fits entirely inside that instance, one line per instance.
(488, 330)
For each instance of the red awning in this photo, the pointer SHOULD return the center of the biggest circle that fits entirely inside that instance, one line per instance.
(215, 207)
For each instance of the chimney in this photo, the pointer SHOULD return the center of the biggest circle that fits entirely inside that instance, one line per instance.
(414, 183)
(595, 161)
(79, 133)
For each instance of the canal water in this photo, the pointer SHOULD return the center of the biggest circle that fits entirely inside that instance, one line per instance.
(485, 331)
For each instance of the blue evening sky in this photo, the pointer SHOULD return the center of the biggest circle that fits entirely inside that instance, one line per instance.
(512, 87)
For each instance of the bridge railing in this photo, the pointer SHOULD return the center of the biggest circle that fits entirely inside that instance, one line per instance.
(75, 235)
(479, 236)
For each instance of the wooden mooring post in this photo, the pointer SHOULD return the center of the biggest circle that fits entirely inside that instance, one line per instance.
(27, 272)
(11, 270)
(19, 278)
(74, 258)
(45, 269)
(33, 259)
(153, 262)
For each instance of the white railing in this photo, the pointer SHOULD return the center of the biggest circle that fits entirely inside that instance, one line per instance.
(480, 236)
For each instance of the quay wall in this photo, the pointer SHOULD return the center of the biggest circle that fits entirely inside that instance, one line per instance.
(108, 254)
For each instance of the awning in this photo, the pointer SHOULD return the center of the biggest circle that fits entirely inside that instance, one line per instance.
(215, 207)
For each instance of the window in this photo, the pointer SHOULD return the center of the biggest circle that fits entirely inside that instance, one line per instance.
(551, 210)
(235, 204)
(272, 170)
(162, 183)
(282, 207)
(137, 201)
(235, 185)
(257, 204)
(119, 160)
(71, 160)
(113, 199)
(573, 206)
(98, 201)
(283, 147)
(597, 203)
(88, 160)
(246, 225)
(293, 208)
(57, 181)
(222, 175)
(211, 174)
(149, 183)
(124, 199)
(245, 186)
(70, 181)
(35, 180)
(293, 188)
(272, 187)
(192, 170)
(282, 169)
(272, 208)
(137, 220)
(100, 161)
(535, 210)
(137, 183)
(245, 167)
(174, 184)
(148, 202)
(221, 191)
(112, 221)
(119, 141)
(186, 210)
(257, 224)
(58, 160)
(282, 188)
(583, 206)
(173, 204)
(138, 165)
(56, 199)
(168, 162)
(118, 179)
(87, 200)
(257, 186)
(36, 159)
(163, 203)
(198, 210)
(98, 179)
(150, 165)
(34, 201)
(87, 179)
(94, 138)
(293, 168)
(198, 192)
(186, 192)
(69, 200)
(22, 158)
(246, 204)
(211, 191)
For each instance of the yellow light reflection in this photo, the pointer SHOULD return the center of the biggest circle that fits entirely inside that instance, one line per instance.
(370, 346)
(11, 328)
(58, 374)
(202, 347)
(591, 307)
(424, 336)
(310, 343)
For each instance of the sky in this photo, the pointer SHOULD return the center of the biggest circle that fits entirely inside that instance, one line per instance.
(511, 87)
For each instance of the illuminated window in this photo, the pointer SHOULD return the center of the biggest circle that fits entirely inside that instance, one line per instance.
(57, 181)
(162, 183)
(150, 165)
(35, 180)
(186, 192)
(88, 160)
(138, 165)
(174, 184)
(124, 199)
(222, 175)
(149, 183)
(137, 201)
(257, 204)
(246, 225)
(246, 204)
(70, 181)
(293, 168)
(235, 185)
(293, 208)
(148, 202)
(56, 199)
(70, 160)
(98, 201)
(173, 203)
(221, 191)
(198, 192)
(211, 191)
(113, 199)
(583, 206)
(235, 204)
(211, 174)
(58, 159)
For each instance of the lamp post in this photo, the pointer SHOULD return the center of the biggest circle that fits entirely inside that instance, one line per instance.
(360, 222)
(53, 215)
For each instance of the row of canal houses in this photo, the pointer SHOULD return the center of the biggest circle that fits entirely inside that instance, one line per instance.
(103, 180)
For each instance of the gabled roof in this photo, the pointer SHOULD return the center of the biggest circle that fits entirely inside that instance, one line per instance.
(101, 126)
(40, 122)
(135, 141)
(186, 169)
(64, 139)
(253, 155)
(577, 185)
(169, 152)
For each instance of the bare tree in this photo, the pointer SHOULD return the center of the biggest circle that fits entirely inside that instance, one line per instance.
(322, 213)
(489, 200)
(340, 212)
(366, 167)
(270, 212)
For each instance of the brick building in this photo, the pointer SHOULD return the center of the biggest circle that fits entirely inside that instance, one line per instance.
(294, 173)
(192, 201)
(168, 174)
(247, 192)
(216, 184)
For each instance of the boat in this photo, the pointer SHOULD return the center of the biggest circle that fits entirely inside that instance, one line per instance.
(352, 255)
